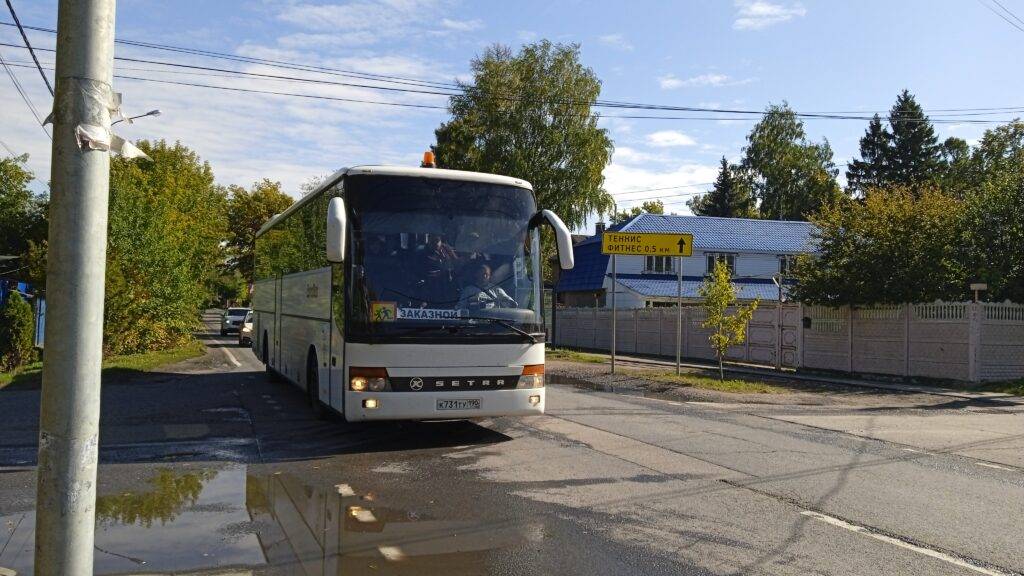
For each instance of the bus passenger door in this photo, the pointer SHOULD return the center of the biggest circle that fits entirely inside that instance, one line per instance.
(337, 360)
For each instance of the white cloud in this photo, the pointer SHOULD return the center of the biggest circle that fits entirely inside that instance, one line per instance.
(759, 14)
(371, 21)
(711, 79)
(527, 35)
(622, 178)
(666, 138)
(462, 25)
(617, 40)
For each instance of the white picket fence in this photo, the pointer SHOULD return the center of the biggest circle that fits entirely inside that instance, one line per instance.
(951, 340)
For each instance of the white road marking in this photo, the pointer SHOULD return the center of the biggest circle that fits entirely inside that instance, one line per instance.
(914, 451)
(392, 553)
(345, 490)
(231, 356)
(897, 542)
(996, 466)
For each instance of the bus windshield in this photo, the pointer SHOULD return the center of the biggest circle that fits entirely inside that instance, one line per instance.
(445, 259)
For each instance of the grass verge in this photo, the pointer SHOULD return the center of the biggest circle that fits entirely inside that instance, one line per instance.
(143, 362)
(733, 385)
(574, 356)
(1015, 387)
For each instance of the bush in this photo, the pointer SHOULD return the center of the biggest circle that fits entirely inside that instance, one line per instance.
(16, 333)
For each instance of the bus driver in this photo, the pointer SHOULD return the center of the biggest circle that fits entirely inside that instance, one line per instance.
(481, 294)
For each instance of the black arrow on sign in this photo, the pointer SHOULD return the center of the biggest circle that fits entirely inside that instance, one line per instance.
(682, 245)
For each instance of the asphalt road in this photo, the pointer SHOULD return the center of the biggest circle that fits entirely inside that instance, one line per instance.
(213, 468)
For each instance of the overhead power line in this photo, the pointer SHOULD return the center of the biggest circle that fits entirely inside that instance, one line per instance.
(8, 148)
(28, 45)
(440, 107)
(446, 89)
(264, 61)
(1008, 11)
(659, 189)
(24, 95)
(1003, 16)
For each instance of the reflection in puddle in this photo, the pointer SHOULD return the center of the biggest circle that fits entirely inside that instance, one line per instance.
(207, 521)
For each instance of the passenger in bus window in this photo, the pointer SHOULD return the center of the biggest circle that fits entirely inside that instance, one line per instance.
(481, 294)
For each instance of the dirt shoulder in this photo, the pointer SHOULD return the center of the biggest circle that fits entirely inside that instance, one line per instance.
(781, 391)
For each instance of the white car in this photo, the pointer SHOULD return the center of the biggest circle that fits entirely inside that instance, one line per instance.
(245, 332)
(232, 319)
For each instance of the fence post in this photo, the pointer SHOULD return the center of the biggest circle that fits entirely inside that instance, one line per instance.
(636, 330)
(974, 341)
(798, 358)
(746, 342)
(908, 308)
(849, 337)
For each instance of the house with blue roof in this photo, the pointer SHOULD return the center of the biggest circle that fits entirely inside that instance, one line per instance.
(755, 251)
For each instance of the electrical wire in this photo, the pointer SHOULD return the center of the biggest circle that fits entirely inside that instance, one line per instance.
(663, 188)
(24, 96)
(754, 114)
(8, 148)
(28, 45)
(1001, 15)
(265, 61)
(1008, 11)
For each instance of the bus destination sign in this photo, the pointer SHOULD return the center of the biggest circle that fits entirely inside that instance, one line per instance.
(646, 244)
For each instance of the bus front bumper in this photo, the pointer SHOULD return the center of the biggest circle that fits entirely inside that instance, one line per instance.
(425, 405)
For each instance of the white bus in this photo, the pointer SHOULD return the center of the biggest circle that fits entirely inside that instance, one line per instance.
(407, 293)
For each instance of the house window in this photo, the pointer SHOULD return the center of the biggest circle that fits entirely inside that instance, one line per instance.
(658, 264)
(728, 259)
(786, 264)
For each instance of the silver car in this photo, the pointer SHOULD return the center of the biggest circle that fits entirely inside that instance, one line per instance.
(232, 319)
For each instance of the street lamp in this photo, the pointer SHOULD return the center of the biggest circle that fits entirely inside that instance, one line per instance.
(129, 119)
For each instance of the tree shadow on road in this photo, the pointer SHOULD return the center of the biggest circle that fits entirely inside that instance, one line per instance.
(237, 416)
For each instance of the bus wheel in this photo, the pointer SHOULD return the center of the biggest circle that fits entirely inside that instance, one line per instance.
(313, 387)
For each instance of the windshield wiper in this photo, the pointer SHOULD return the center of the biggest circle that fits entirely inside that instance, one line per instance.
(504, 323)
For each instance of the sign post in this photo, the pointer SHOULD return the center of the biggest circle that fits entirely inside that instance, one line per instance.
(614, 314)
(648, 244)
(679, 312)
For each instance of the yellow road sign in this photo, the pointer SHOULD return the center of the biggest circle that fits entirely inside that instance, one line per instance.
(647, 244)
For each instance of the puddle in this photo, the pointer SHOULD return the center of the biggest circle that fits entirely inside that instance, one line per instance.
(210, 520)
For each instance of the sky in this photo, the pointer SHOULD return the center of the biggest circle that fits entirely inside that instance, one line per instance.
(822, 56)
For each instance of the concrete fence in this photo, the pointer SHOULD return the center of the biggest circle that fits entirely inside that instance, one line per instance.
(954, 340)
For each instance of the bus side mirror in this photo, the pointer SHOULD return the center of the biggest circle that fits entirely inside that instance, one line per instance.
(562, 238)
(336, 232)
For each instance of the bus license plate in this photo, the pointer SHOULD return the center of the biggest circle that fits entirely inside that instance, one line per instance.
(464, 404)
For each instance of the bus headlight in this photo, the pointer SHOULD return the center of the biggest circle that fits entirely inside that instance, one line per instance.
(363, 379)
(533, 376)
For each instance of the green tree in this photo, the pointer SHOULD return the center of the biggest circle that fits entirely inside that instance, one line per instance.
(727, 330)
(648, 207)
(956, 167)
(22, 213)
(871, 170)
(995, 212)
(730, 197)
(247, 212)
(897, 245)
(791, 176)
(914, 155)
(167, 221)
(17, 332)
(528, 115)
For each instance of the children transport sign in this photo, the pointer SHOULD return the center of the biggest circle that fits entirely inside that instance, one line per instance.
(647, 244)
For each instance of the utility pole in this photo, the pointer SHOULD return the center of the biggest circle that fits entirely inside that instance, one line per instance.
(80, 180)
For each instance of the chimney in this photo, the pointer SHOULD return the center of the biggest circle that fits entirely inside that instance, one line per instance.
(599, 228)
